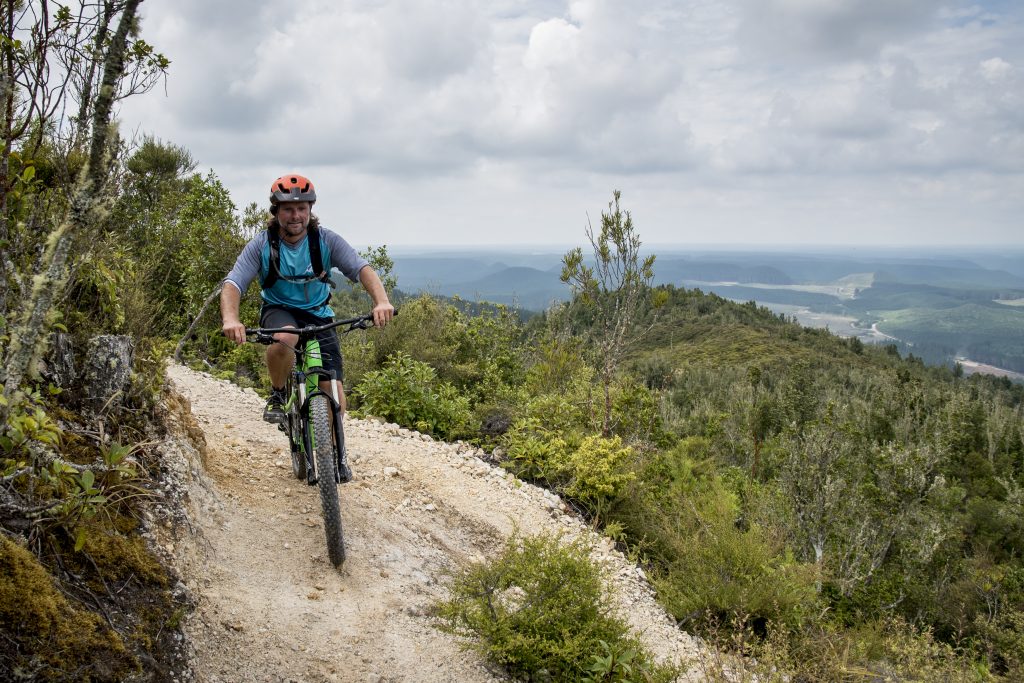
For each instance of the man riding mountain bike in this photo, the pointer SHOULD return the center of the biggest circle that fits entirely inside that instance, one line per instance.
(293, 259)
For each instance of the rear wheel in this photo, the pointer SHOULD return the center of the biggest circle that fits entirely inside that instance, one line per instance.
(326, 464)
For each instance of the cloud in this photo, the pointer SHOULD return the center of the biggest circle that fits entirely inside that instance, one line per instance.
(815, 30)
(744, 101)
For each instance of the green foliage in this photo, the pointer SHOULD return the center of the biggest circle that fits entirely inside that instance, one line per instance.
(27, 424)
(558, 366)
(597, 470)
(423, 331)
(536, 452)
(383, 264)
(711, 566)
(156, 168)
(407, 391)
(624, 663)
(884, 650)
(636, 415)
(541, 610)
(179, 235)
(482, 355)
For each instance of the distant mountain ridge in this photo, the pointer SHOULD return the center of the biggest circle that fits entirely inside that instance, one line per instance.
(531, 280)
(944, 304)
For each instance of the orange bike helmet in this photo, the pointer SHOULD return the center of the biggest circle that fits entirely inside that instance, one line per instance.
(292, 188)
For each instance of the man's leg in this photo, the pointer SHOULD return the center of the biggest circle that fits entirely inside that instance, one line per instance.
(325, 387)
(281, 358)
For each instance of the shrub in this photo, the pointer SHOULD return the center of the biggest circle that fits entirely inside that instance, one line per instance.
(541, 610)
(597, 470)
(406, 391)
(636, 415)
(709, 564)
(536, 452)
(564, 413)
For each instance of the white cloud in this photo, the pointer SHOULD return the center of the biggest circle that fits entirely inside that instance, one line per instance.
(995, 70)
(553, 43)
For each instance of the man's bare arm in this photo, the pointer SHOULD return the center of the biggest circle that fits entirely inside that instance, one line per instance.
(383, 311)
(230, 300)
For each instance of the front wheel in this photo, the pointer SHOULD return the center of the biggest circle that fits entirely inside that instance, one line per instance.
(326, 463)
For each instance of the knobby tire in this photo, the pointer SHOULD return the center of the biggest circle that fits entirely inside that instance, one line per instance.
(326, 464)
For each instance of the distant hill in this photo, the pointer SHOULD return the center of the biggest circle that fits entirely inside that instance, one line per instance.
(675, 271)
(522, 286)
(945, 276)
(425, 272)
(941, 303)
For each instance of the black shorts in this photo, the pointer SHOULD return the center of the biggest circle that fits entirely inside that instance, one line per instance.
(282, 316)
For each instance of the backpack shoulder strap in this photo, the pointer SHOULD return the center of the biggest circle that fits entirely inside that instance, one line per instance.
(274, 266)
(323, 273)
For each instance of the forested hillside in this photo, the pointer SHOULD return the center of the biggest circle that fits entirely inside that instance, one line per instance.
(836, 508)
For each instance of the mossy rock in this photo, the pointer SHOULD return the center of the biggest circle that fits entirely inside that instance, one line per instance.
(120, 557)
(48, 638)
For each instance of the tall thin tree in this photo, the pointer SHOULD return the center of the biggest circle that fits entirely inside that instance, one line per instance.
(614, 287)
(29, 335)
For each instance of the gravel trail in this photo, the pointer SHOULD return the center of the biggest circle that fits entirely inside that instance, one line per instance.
(270, 607)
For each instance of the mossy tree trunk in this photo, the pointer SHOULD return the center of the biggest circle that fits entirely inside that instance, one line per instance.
(29, 337)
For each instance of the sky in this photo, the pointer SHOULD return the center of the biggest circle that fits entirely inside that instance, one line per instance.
(494, 122)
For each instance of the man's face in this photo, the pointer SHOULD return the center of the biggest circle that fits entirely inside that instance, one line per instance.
(293, 217)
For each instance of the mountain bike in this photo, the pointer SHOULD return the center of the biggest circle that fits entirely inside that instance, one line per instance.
(317, 449)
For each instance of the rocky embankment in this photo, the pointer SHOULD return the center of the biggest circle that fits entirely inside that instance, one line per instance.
(270, 607)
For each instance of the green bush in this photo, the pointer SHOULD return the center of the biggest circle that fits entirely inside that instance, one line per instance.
(636, 415)
(711, 562)
(541, 610)
(564, 413)
(406, 391)
(536, 452)
(591, 469)
(597, 470)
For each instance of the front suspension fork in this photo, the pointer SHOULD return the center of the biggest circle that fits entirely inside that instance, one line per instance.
(302, 381)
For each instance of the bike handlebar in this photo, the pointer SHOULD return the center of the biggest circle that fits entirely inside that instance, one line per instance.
(264, 335)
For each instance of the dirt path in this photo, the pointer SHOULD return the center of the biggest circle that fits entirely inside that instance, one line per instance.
(270, 605)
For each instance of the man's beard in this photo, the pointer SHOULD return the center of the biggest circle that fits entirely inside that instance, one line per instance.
(293, 229)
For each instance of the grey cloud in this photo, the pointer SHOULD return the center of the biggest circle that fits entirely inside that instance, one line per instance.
(428, 43)
(209, 61)
(815, 30)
